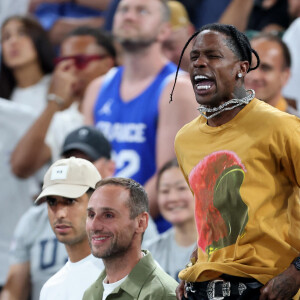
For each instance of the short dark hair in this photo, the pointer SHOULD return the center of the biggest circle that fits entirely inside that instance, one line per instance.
(89, 192)
(286, 55)
(103, 38)
(138, 199)
(43, 46)
(236, 41)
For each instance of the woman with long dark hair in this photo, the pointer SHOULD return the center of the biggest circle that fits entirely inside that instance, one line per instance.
(26, 62)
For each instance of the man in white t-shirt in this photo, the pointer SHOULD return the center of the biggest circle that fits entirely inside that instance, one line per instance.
(67, 187)
(35, 253)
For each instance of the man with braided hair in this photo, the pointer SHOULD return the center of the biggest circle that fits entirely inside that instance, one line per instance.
(240, 159)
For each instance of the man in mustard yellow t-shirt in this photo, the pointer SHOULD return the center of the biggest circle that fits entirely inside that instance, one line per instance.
(241, 161)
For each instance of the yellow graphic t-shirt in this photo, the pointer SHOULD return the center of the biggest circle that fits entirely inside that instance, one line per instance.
(245, 177)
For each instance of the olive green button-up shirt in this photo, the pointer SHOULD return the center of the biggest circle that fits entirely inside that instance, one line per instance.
(146, 281)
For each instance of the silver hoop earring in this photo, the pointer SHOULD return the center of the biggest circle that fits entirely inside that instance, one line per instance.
(240, 75)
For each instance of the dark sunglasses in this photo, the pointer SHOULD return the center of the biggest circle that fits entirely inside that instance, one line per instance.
(81, 61)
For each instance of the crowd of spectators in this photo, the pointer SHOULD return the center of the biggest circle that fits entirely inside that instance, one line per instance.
(110, 65)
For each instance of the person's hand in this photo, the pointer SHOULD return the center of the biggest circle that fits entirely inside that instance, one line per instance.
(64, 82)
(282, 287)
(180, 290)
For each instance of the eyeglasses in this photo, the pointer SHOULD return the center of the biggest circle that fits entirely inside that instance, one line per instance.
(81, 61)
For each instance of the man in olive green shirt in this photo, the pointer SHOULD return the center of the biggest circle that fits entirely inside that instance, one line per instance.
(116, 221)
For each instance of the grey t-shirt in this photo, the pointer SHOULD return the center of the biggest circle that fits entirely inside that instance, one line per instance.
(35, 241)
(170, 256)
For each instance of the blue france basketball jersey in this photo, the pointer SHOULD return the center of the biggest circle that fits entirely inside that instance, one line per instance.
(131, 126)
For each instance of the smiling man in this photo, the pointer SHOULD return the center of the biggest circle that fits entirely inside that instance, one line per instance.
(271, 76)
(117, 219)
(67, 187)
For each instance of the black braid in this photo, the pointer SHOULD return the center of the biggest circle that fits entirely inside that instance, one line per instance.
(178, 66)
(237, 42)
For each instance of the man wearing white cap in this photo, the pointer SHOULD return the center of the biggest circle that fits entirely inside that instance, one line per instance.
(68, 184)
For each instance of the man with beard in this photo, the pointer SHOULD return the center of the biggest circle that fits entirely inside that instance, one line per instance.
(130, 105)
(85, 54)
(116, 221)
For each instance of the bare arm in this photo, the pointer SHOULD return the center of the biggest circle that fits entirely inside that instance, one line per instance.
(31, 152)
(172, 116)
(89, 100)
(284, 286)
(237, 13)
(17, 286)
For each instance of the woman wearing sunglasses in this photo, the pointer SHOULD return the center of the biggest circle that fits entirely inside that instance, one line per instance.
(26, 62)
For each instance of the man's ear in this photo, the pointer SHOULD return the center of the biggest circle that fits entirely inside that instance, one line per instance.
(164, 31)
(111, 167)
(284, 76)
(142, 222)
(244, 66)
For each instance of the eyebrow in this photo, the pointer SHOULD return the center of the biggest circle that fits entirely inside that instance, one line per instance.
(103, 209)
(206, 51)
(55, 199)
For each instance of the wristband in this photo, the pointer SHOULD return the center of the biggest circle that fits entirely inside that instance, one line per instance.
(53, 97)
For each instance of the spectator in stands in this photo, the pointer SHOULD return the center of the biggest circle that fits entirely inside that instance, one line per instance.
(203, 12)
(181, 30)
(26, 65)
(172, 249)
(257, 15)
(60, 17)
(200, 11)
(291, 38)
(68, 185)
(273, 72)
(131, 103)
(85, 54)
(36, 254)
(117, 218)
(26, 62)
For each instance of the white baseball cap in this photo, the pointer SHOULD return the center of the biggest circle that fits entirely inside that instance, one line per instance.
(70, 178)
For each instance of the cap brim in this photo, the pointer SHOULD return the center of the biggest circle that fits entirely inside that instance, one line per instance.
(62, 190)
(86, 149)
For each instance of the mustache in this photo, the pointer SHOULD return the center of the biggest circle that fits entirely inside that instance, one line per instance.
(61, 222)
(100, 232)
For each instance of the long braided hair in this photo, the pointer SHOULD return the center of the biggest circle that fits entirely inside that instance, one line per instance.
(236, 41)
